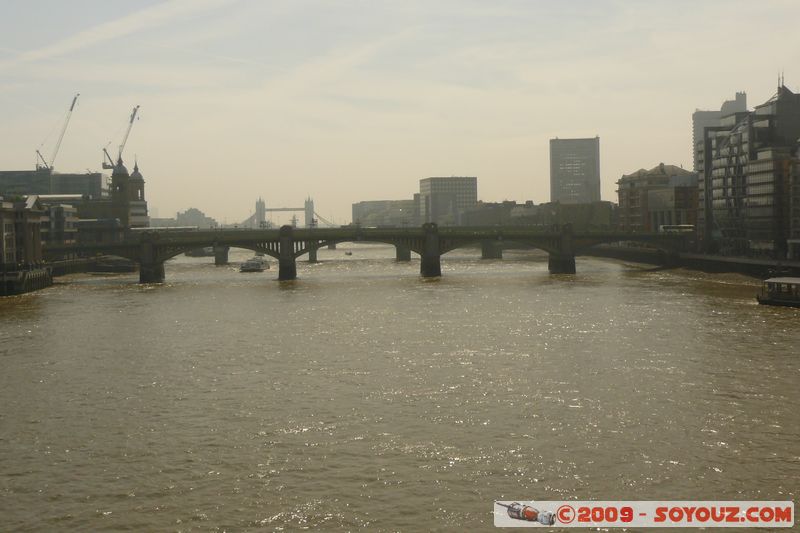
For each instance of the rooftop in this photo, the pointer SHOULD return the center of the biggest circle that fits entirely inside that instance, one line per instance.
(659, 170)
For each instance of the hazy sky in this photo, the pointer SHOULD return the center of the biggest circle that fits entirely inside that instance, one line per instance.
(358, 100)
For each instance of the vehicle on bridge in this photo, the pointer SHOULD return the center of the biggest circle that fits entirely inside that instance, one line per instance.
(676, 228)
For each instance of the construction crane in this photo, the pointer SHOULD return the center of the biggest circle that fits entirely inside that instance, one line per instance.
(40, 157)
(110, 162)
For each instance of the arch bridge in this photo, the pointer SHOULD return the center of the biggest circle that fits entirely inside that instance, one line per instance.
(150, 249)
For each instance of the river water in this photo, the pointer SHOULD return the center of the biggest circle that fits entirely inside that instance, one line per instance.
(361, 397)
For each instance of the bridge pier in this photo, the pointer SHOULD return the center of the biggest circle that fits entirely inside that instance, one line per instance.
(312, 255)
(491, 250)
(151, 273)
(430, 264)
(151, 270)
(287, 268)
(221, 255)
(562, 258)
(402, 253)
(331, 245)
(561, 263)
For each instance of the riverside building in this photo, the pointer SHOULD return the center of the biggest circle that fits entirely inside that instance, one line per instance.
(747, 188)
(663, 195)
(712, 119)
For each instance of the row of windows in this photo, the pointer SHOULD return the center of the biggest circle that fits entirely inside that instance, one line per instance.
(720, 210)
(767, 188)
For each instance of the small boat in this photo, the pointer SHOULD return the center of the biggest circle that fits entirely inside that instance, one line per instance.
(348, 253)
(254, 264)
(783, 291)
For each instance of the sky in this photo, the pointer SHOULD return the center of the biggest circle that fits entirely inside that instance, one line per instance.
(358, 100)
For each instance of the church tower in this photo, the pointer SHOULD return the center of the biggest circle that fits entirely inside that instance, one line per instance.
(136, 185)
(137, 205)
(119, 193)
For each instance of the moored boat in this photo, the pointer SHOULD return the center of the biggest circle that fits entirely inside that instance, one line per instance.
(783, 291)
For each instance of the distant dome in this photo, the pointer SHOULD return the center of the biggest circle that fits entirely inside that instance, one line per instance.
(136, 174)
(119, 169)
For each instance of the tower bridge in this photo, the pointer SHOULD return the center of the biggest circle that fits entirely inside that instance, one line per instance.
(310, 217)
(150, 249)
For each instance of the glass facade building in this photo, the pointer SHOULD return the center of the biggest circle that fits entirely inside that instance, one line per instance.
(710, 119)
(745, 188)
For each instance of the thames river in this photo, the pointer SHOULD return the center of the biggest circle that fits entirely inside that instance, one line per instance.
(362, 397)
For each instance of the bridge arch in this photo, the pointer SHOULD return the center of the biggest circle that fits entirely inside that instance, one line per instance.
(167, 253)
(307, 246)
(535, 244)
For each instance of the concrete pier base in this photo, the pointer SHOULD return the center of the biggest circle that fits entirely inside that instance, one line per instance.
(430, 265)
(312, 255)
(221, 255)
(287, 268)
(151, 273)
(402, 253)
(331, 246)
(561, 264)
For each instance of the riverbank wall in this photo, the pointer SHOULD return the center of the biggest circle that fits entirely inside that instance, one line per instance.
(758, 268)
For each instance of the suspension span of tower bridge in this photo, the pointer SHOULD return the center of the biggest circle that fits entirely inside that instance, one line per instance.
(259, 218)
(151, 249)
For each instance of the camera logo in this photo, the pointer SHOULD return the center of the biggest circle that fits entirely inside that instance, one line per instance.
(527, 513)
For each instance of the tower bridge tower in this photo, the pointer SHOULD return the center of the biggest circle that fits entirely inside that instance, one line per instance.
(261, 214)
(309, 213)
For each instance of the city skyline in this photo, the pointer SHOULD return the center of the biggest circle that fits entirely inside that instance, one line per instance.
(348, 104)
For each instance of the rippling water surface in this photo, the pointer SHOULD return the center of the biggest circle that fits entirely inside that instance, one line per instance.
(363, 397)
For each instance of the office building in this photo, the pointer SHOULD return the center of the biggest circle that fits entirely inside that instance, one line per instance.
(44, 181)
(793, 243)
(443, 200)
(575, 170)
(746, 188)
(711, 119)
(374, 213)
(59, 223)
(21, 243)
(665, 195)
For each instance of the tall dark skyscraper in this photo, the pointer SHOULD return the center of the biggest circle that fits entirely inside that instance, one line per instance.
(575, 170)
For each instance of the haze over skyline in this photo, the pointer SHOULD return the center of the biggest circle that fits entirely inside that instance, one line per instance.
(354, 101)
